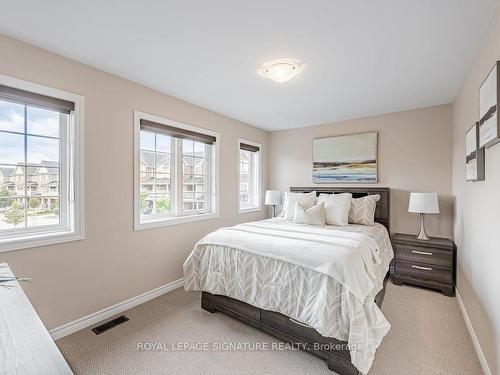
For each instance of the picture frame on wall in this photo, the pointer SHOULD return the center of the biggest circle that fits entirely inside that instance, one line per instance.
(489, 127)
(474, 155)
(346, 158)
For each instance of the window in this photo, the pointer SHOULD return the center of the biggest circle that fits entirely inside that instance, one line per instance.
(176, 172)
(249, 176)
(40, 171)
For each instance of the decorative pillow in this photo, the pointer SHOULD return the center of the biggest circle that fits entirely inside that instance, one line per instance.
(314, 215)
(337, 208)
(306, 200)
(363, 210)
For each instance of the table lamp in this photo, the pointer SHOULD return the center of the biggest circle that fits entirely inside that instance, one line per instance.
(273, 198)
(423, 203)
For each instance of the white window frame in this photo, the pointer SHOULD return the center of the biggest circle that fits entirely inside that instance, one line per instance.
(72, 225)
(258, 173)
(161, 221)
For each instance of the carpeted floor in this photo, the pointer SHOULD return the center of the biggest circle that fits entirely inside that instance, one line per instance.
(428, 336)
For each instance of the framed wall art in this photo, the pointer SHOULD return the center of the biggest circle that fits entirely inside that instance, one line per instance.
(489, 127)
(474, 155)
(345, 158)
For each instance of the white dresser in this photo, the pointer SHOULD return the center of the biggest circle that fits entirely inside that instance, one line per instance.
(25, 345)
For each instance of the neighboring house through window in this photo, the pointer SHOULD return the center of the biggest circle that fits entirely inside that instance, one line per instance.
(249, 176)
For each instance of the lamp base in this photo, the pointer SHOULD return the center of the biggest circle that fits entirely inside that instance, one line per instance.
(422, 235)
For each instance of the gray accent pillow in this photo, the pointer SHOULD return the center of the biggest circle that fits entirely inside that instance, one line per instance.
(363, 210)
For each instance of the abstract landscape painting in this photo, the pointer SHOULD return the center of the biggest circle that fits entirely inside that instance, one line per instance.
(346, 158)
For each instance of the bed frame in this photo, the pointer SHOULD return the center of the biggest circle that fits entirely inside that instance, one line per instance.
(333, 351)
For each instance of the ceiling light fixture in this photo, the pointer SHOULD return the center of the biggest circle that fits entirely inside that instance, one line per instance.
(281, 70)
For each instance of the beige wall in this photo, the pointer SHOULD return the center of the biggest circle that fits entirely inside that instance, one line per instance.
(477, 210)
(115, 263)
(414, 154)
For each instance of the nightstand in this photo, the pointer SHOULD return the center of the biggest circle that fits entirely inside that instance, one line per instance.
(425, 263)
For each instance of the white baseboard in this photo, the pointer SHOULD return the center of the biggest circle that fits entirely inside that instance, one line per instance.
(86, 321)
(472, 333)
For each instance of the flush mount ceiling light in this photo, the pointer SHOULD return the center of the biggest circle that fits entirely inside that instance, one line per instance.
(281, 70)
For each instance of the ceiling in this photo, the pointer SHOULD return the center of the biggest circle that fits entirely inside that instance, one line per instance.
(361, 57)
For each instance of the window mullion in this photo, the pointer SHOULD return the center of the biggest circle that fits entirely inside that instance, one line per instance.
(154, 178)
(254, 179)
(25, 208)
(256, 168)
(239, 176)
(178, 177)
(173, 184)
(208, 179)
(257, 179)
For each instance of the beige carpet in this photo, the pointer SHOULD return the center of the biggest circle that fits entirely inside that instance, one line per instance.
(428, 336)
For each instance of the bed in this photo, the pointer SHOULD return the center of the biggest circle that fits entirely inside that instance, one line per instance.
(328, 304)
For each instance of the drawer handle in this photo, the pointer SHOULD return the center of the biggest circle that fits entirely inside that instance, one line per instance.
(299, 323)
(421, 252)
(422, 268)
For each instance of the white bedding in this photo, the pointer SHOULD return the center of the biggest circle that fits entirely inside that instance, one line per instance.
(324, 276)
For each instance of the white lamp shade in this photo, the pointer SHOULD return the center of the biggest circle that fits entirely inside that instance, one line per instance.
(273, 198)
(424, 203)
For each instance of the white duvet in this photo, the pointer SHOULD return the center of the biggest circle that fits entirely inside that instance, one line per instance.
(325, 276)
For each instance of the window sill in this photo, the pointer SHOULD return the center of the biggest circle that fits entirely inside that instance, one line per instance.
(39, 239)
(242, 211)
(174, 221)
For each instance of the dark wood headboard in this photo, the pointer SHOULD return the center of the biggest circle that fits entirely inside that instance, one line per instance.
(383, 211)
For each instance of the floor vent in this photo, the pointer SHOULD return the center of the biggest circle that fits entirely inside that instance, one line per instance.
(108, 325)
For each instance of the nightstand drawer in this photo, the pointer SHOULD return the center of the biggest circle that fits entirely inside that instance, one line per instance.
(414, 253)
(424, 271)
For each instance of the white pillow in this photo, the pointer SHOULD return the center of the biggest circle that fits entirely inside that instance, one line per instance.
(314, 215)
(306, 200)
(363, 210)
(337, 208)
